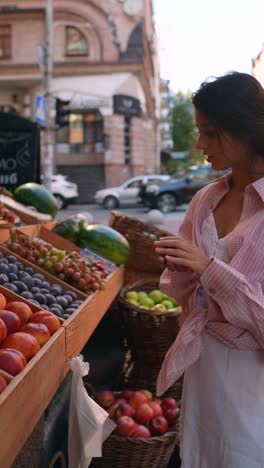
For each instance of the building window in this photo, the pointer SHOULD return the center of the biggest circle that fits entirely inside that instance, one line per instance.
(5, 41)
(127, 139)
(76, 42)
(84, 134)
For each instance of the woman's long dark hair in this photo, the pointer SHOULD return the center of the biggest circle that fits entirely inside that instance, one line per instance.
(234, 103)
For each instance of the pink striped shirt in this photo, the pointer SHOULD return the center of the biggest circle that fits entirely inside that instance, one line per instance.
(235, 290)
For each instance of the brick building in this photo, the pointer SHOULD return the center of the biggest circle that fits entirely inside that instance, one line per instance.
(102, 49)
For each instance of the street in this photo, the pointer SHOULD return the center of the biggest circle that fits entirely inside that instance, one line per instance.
(170, 221)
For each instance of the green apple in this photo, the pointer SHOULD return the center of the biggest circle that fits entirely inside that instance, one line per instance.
(141, 295)
(132, 295)
(146, 302)
(161, 307)
(175, 309)
(168, 304)
(133, 301)
(156, 295)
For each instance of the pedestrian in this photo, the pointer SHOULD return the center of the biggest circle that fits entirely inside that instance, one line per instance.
(215, 270)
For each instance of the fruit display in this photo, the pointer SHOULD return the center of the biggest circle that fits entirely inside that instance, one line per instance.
(101, 239)
(137, 413)
(25, 213)
(154, 300)
(70, 227)
(7, 216)
(34, 287)
(84, 274)
(105, 241)
(21, 334)
(32, 194)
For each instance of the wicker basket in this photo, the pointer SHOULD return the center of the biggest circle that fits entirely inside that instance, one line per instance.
(140, 236)
(148, 335)
(129, 452)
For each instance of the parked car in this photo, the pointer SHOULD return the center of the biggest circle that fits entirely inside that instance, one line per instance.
(176, 191)
(64, 191)
(127, 193)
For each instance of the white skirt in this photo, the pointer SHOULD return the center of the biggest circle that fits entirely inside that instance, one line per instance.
(223, 409)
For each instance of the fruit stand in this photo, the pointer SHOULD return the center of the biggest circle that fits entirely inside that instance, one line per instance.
(27, 395)
(57, 281)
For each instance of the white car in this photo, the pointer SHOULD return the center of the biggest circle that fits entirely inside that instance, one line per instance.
(64, 191)
(128, 192)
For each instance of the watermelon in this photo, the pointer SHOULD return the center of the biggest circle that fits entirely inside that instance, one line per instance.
(70, 227)
(36, 195)
(104, 241)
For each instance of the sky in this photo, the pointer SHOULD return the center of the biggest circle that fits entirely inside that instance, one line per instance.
(202, 38)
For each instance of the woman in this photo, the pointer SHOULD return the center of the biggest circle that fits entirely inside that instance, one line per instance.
(215, 269)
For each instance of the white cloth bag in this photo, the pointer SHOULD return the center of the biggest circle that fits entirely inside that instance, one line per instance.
(89, 424)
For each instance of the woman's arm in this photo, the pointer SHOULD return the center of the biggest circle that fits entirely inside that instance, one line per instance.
(177, 283)
(241, 299)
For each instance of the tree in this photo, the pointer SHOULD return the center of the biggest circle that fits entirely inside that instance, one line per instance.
(184, 133)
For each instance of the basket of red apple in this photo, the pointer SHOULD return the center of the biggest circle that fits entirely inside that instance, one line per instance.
(150, 322)
(147, 430)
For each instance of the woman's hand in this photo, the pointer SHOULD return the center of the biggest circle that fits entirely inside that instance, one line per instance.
(181, 255)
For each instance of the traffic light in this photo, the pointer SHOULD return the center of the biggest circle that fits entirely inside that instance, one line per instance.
(62, 112)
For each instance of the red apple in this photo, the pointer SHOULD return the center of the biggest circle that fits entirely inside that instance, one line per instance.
(125, 426)
(3, 384)
(21, 309)
(141, 431)
(105, 399)
(12, 361)
(127, 394)
(38, 330)
(48, 318)
(11, 320)
(168, 402)
(124, 409)
(156, 408)
(171, 414)
(112, 410)
(3, 330)
(23, 342)
(144, 413)
(137, 399)
(158, 426)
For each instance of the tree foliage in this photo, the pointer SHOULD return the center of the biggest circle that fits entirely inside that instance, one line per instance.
(184, 133)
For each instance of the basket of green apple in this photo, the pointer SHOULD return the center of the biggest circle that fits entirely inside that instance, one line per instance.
(146, 433)
(150, 321)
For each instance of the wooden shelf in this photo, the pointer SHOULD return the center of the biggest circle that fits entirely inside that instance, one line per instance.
(28, 394)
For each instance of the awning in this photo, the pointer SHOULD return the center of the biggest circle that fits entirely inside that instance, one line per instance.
(96, 91)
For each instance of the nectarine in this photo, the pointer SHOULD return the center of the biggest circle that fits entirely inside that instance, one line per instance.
(12, 361)
(2, 301)
(48, 318)
(3, 330)
(11, 320)
(38, 330)
(23, 342)
(21, 309)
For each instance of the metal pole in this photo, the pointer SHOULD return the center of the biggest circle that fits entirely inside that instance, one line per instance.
(48, 165)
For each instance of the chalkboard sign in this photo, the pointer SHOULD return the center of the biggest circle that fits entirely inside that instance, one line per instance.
(19, 151)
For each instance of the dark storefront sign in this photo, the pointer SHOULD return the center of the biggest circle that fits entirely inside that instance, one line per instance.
(126, 105)
(19, 151)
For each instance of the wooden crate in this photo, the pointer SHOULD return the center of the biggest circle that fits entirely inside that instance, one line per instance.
(24, 400)
(50, 278)
(28, 394)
